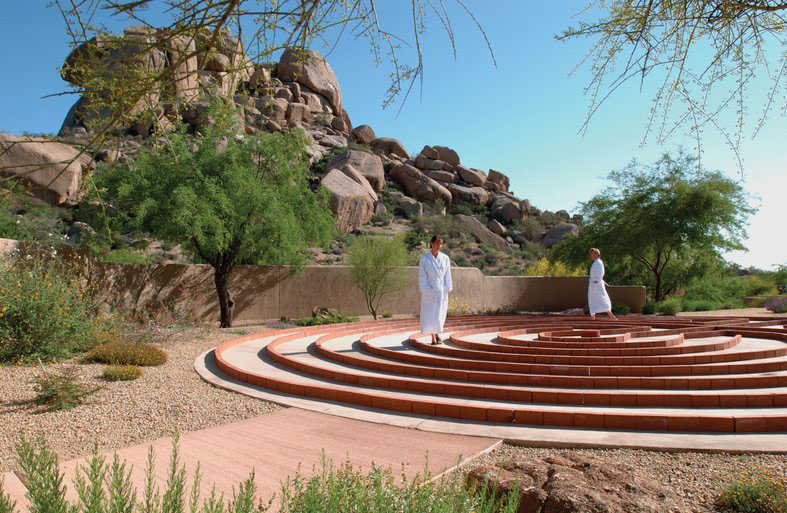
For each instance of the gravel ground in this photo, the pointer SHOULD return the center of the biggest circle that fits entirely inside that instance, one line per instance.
(163, 400)
(697, 477)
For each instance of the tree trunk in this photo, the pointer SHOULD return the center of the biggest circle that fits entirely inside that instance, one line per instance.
(226, 304)
(657, 293)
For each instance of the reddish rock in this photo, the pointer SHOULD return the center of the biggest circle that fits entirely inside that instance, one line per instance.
(419, 186)
(481, 232)
(309, 68)
(446, 154)
(350, 202)
(500, 179)
(472, 195)
(389, 145)
(471, 176)
(368, 164)
(364, 134)
(54, 170)
(430, 153)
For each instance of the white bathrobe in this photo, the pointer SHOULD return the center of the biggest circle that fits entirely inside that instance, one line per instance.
(434, 280)
(598, 299)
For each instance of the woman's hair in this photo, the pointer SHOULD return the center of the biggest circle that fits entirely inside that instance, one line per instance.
(435, 238)
(595, 250)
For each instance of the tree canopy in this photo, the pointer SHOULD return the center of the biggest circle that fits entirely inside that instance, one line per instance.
(703, 56)
(376, 265)
(661, 223)
(228, 200)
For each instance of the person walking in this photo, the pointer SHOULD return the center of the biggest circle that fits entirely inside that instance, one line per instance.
(434, 282)
(598, 299)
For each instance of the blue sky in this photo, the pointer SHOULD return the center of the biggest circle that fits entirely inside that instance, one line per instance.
(521, 117)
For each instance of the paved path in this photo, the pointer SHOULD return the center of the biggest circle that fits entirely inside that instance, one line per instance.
(275, 445)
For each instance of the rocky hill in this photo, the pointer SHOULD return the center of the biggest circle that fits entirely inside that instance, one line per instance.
(374, 183)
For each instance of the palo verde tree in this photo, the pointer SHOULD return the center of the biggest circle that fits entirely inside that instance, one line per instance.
(702, 55)
(231, 200)
(376, 265)
(661, 222)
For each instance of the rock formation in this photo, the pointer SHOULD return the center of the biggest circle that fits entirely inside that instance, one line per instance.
(299, 91)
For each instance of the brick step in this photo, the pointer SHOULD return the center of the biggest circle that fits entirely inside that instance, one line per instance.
(372, 364)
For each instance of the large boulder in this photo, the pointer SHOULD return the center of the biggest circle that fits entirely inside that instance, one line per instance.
(430, 153)
(471, 176)
(183, 62)
(442, 176)
(311, 69)
(559, 232)
(364, 134)
(358, 178)
(496, 227)
(350, 202)
(505, 209)
(389, 146)
(411, 208)
(368, 164)
(446, 154)
(481, 232)
(53, 170)
(500, 179)
(419, 186)
(472, 195)
(576, 482)
(424, 163)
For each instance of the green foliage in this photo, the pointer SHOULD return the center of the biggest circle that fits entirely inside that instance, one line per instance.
(649, 308)
(326, 318)
(60, 391)
(232, 201)
(123, 256)
(387, 315)
(669, 306)
(45, 308)
(383, 219)
(531, 228)
(379, 491)
(40, 224)
(620, 309)
(761, 491)
(376, 266)
(121, 372)
(444, 226)
(676, 218)
(416, 237)
(42, 476)
(545, 267)
(7, 505)
(700, 305)
(116, 351)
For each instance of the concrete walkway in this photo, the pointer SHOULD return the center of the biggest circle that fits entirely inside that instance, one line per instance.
(276, 445)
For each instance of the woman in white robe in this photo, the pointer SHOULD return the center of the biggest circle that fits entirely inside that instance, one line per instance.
(434, 281)
(598, 299)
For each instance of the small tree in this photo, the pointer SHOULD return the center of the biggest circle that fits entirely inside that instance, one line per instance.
(376, 264)
(230, 201)
(668, 221)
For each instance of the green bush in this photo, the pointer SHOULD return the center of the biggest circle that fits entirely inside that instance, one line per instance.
(115, 351)
(383, 219)
(42, 224)
(123, 256)
(530, 228)
(762, 491)
(45, 309)
(121, 372)
(107, 487)
(669, 306)
(700, 305)
(60, 391)
(329, 318)
(376, 268)
(387, 315)
(620, 309)
(649, 308)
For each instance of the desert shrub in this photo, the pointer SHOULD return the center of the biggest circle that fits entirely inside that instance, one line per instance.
(777, 304)
(325, 318)
(123, 256)
(549, 219)
(46, 307)
(545, 267)
(491, 258)
(42, 224)
(700, 305)
(416, 237)
(460, 260)
(755, 285)
(761, 491)
(60, 390)
(649, 308)
(533, 251)
(446, 227)
(387, 315)
(383, 219)
(121, 372)
(669, 306)
(114, 350)
(531, 228)
(502, 310)
(457, 305)
(379, 491)
(620, 309)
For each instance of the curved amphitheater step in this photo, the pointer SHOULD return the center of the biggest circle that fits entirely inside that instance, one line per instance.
(721, 375)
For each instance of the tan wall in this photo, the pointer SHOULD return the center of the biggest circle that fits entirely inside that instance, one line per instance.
(272, 292)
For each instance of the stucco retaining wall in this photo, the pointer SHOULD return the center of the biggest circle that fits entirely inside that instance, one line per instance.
(271, 292)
